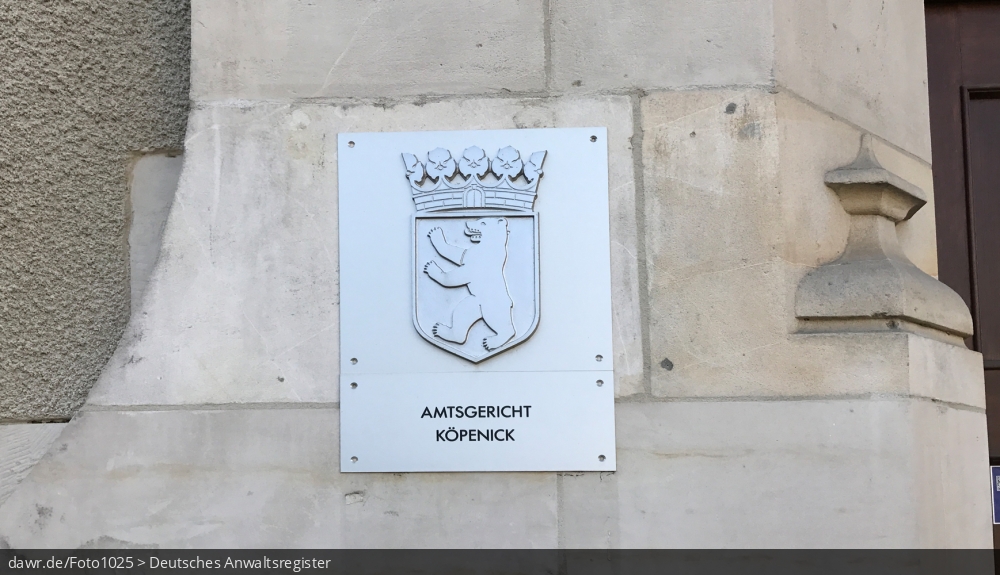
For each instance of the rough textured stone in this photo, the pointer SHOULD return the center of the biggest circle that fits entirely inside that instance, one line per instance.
(151, 192)
(599, 45)
(21, 446)
(256, 478)
(242, 305)
(863, 61)
(84, 84)
(289, 49)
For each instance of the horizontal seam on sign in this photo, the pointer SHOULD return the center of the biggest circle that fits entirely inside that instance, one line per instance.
(643, 398)
(212, 406)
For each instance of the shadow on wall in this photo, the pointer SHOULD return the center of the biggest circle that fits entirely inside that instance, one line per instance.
(152, 183)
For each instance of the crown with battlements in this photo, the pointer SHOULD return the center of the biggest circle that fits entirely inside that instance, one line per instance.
(474, 181)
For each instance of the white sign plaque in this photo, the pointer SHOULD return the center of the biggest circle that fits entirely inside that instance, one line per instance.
(475, 299)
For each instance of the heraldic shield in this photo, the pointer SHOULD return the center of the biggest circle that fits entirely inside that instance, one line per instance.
(475, 249)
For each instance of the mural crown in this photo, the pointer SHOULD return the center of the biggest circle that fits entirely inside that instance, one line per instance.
(505, 182)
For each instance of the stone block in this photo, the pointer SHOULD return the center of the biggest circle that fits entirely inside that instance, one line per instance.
(21, 446)
(285, 49)
(256, 478)
(951, 476)
(716, 276)
(721, 169)
(710, 161)
(243, 303)
(599, 45)
(951, 373)
(152, 183)
(817, 365)
(454, 510)
(840, 473)
(803, 474)
(865, 62)
(588, 509)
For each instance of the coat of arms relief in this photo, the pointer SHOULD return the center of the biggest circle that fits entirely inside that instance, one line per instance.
(475, 249)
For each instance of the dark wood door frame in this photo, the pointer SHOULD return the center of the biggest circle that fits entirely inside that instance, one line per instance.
(963, 60)
(960, 69)
(970, 93)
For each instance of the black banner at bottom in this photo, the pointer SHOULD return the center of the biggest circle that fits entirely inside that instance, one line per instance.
(496, 562)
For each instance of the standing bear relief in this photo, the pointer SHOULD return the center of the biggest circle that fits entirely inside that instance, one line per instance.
(480, 270)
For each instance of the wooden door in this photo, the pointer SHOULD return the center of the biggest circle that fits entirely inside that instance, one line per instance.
(963, 57)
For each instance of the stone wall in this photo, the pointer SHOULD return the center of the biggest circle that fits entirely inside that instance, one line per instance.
(215, 422)
(86, 87)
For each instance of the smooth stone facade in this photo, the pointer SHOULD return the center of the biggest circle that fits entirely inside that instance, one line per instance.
(818, 473)
(284, 49)
(21, 447)
(262, 260)
(215, 423)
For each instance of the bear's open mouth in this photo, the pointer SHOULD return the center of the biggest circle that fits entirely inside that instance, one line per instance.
(474, 234)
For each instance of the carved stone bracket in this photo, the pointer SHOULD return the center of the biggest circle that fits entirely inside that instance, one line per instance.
(873, 284)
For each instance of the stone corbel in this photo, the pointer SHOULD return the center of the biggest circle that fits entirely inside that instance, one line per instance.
(873, 285)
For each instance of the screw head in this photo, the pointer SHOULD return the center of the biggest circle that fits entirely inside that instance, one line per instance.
(354, 361)
(593, 138)
(350, 144)
(599, 358)
(600, 382)
(601, 458)
(355, 459)
(354, 385)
